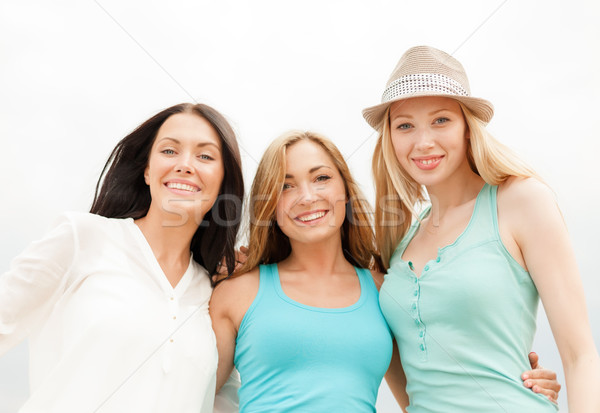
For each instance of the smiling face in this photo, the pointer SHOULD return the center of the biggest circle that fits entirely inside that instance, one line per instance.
(430, 139)
(312, 205)
(185, 168)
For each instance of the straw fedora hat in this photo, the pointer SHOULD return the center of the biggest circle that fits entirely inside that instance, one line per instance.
(426, 71)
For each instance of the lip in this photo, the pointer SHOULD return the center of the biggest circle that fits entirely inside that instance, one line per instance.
(427, 163)
(182, 190)
(314, 221)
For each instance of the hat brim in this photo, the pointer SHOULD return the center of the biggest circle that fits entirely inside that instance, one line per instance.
(481, 108)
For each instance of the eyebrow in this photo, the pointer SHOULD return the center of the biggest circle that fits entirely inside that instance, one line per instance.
(400, 115)
(201, 144)
(310, 171)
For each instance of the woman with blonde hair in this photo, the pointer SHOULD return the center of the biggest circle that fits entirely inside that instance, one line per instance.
(463, 276)
(301, 320)
(302, 323)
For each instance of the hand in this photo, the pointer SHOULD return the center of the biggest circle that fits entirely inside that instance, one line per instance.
(541, 380)
(241, 256)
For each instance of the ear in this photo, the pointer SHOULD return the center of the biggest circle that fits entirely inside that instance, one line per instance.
(146, 176)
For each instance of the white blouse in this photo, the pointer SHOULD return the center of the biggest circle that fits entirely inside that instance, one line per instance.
(108, 333)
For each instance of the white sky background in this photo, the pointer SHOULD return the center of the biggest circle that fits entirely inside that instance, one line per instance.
(73, 82)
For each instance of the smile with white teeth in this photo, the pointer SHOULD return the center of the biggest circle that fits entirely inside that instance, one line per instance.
(427, 161)
(182, 187)
(311, 217)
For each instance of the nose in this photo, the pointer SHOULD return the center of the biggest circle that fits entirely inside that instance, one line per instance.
(307, 194)
(424, 140)
(183, 164)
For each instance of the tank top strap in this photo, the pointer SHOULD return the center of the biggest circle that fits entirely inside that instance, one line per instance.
(366, 280)
(268, 275)
(483, 225)
(397, 255)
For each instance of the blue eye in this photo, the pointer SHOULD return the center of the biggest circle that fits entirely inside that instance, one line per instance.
(322, 178)
(439, 121)
(404, 126)
(286, 186)
(206, 157)
(168, 151)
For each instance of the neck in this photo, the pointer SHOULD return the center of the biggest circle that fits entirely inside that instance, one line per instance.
(169, 241)
(320, 258)
(456, 191)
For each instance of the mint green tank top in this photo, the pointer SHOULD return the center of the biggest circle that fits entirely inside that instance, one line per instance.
(298, 358)
(464, 328)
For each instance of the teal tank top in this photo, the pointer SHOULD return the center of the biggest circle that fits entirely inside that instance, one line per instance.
(297, 358)
(464, 328)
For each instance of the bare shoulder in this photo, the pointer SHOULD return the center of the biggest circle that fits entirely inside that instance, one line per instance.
(378, 278)
(525, 206)
(525, 193)
(235, 291)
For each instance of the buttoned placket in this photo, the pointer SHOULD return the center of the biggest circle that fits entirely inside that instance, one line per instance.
(169, 351)
(420, 329)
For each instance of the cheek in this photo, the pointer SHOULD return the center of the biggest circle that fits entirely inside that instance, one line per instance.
(213, 177)
(282, 211)
(401, 150)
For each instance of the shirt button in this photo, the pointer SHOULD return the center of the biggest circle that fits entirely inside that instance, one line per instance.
(174, 317)
(426, 267)
(416, 280)
(172, 298)
(438, 259)
(171, 340)
(421, 334)
(414, 306)
(422, 347)
(416, 292)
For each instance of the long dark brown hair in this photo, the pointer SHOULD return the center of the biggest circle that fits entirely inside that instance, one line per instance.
(121, 191)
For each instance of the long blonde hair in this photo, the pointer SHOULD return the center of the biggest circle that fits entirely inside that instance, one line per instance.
(398, 196)
(268, 244)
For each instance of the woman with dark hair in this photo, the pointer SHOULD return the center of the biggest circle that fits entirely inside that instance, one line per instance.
(115, 302)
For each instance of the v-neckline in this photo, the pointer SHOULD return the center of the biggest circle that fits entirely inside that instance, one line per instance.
(157, 272)
(417, 225)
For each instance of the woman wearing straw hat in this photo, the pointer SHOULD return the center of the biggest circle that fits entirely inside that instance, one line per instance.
(301, 320)
(462, 283)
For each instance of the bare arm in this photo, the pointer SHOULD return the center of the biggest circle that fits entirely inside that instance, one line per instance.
(541, 235)
(396, 379)
(228, 305)
(225, 332)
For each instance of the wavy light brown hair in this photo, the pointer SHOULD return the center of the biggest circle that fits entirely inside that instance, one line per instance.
(268, 244)
(398, 196)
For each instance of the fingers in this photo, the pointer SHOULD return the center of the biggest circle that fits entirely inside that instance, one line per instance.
(222, 268)
(534, 360)
(549, 388)
(241, 255)
(240, 259)
(539, 373)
